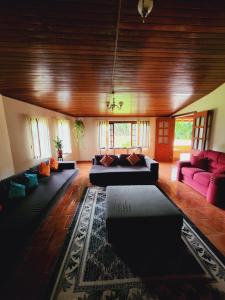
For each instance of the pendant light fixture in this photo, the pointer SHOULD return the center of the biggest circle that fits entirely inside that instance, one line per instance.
(144, 8)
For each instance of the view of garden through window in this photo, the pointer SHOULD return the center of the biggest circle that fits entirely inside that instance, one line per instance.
(183, 133)
(122, 135)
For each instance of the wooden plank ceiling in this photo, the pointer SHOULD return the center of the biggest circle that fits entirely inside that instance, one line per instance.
(59, 54)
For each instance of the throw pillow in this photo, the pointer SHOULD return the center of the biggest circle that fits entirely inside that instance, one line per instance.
(54, 164)
(199, 162)
(133, 159)
(44, 169)
(99, 157)
(32, 180)
(106, 160)
(16, 190)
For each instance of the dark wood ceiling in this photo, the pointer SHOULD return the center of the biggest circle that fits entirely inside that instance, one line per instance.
(59, 54)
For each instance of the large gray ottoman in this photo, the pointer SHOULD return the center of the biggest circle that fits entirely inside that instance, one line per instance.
(142, 216)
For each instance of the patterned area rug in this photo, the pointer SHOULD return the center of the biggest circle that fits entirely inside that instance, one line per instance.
(91, 269)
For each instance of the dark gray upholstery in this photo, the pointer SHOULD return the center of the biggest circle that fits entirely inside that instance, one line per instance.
(124, 175)
(19, 221)
(135, 214)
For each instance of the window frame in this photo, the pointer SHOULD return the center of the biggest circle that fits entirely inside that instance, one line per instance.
(112, 133)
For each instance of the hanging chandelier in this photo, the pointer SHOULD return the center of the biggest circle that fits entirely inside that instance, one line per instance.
(112, 105)
(144, 8)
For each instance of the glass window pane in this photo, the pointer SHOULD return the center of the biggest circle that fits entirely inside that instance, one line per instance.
(160, 140)
(166, 125)
(160, 124)
(195, 144)
(165, 140)
(199, 144)
(122, 135)
(200, 132)
(198, 121)
(196, 132)
(166, 131)
(202, 121)
(160, 131)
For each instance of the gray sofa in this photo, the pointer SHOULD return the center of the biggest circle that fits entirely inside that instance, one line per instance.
(21, 217)
(122, 173)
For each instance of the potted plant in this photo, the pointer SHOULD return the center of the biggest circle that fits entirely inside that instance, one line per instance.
(58, 146)
(79, 129)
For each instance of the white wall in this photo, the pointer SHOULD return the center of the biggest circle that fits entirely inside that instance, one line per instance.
(6, 160)
(214, 101)
(16, 113)
(89, 145)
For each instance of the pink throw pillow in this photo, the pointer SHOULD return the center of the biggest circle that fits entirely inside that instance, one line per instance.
(107, 160)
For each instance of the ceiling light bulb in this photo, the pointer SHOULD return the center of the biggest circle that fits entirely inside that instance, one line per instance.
(144, 8)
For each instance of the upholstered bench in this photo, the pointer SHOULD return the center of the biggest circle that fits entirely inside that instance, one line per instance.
(143, 217)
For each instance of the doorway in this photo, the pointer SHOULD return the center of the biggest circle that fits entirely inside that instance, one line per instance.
(183, 138)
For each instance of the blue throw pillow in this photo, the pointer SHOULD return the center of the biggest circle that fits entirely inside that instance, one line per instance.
(32, 180)
(16, 190)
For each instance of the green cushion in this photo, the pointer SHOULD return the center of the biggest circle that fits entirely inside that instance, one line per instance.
(16, 190)
(32, 180)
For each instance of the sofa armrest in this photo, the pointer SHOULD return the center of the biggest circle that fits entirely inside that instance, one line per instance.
(180, 165)
(216, 190)
(67, 165)
(153, 166)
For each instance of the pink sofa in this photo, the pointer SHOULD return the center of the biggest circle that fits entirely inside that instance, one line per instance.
(206, 174)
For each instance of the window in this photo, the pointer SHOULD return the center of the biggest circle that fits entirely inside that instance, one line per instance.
(64, 135)
(124, 134)
(40, 138)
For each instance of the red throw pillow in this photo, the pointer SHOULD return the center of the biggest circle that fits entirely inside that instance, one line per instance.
(220, 170)
(44, 169)
(199, 162)
(133, 159)
(107, 160)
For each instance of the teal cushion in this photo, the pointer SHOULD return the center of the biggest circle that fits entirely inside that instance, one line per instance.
(16, 190)
(32, 180)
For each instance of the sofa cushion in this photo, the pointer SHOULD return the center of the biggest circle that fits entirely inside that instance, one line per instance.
(16, 190)
(202, 178)
(199, 162)
(54, 165)
(220, 170)
(107, 160)
(44, 169)
(133, 159)
(189, 172)
(124, 162)
(221, 159)
(32, 180)
(99, 157)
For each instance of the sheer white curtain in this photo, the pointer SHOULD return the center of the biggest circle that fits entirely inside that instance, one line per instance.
(44, 138)
(35, 137)
(64, 135)
(143, 134)
(103, 134)
(40, 138)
